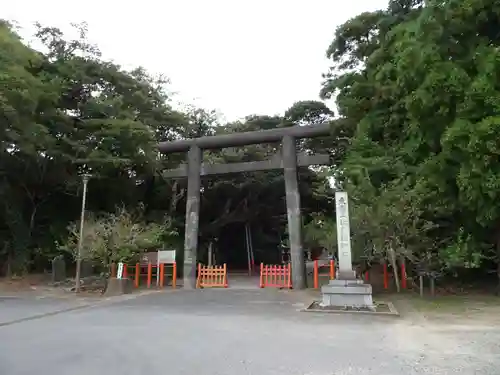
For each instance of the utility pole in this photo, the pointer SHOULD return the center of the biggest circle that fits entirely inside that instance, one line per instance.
(85, 179)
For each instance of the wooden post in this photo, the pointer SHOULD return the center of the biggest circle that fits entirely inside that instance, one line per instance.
(150, 273)
(174, 275)
(332, 269)
(162, 274)
(403, 274)
(137, 274)
(315, 275)
(386, 277)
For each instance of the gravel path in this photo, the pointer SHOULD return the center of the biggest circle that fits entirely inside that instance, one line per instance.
(233, 332)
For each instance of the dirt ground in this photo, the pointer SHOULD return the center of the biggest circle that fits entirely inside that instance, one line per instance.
(38, 285)
(471, 309)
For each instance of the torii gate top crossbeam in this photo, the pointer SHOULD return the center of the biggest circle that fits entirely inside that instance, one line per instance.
(245, 138)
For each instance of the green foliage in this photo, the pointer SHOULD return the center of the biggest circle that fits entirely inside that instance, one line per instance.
(462, 253)
(116, 237)
(321, 232)
(417, 85)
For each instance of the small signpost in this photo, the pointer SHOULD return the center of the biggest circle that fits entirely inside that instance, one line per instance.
(119, 273)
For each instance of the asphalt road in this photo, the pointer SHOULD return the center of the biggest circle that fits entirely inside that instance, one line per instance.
(232, 332)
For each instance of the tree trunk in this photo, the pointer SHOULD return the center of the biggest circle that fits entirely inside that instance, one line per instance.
(8, 271)
(394, 264)
(421, 285)
(210, 254)
(498, 265)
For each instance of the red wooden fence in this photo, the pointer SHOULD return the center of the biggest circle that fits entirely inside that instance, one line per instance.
(212, 276)
(275, 276)
(316, 274)
(150, 269)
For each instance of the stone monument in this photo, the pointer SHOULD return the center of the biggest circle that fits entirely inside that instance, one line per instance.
(58, 269)
(346, 289)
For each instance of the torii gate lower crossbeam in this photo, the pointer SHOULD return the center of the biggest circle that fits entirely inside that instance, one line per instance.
(287, 160)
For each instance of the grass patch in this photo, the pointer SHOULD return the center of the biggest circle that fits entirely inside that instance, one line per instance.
(445, 304)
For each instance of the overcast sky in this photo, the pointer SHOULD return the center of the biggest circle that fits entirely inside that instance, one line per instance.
(239, 57)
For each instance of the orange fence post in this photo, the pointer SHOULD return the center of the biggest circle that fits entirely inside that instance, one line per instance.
(125, 273)
(174, 275)
(315, 275)
(386, 277)
(403, 275)
(332, 269)
(150, 273)
(162, 274)
(137, 274)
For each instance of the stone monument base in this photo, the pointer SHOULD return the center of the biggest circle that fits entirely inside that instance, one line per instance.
(352, 293)
(117, 287)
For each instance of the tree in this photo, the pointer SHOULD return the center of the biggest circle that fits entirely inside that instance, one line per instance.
(117, 237)
(416, 88)
(66, 111)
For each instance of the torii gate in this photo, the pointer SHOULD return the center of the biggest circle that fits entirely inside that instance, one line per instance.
(288, 160)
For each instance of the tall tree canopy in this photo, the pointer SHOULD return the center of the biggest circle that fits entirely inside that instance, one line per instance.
(417, 85)
(67, 111)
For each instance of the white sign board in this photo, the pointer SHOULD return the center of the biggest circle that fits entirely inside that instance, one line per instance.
(343, 231)
(166, 256)
(119, 272)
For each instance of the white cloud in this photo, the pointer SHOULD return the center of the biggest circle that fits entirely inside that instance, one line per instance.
(240, 57)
